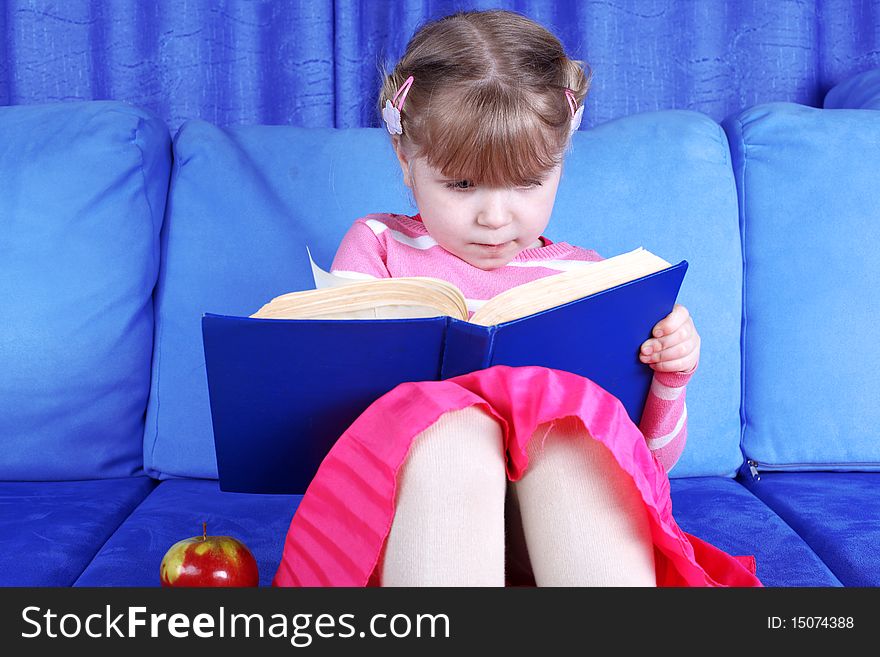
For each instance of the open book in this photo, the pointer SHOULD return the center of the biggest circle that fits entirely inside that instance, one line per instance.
(287, 381)
(337, 297)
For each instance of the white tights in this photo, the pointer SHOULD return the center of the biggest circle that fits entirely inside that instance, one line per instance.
(575, 518)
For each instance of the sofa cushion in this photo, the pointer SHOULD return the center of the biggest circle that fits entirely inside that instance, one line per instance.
(723, 512)
(245, 201)
(716, 509)
(810, 204)
(52, 529)
(174, 511)
(83, 196)
(861, 91)
(835, 513)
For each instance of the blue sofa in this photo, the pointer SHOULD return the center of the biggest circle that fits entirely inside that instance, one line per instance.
(116, 238)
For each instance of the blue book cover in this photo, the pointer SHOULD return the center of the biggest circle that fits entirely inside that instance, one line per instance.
(283, 390)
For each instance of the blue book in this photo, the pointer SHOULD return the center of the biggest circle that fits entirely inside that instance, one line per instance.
(284, 384)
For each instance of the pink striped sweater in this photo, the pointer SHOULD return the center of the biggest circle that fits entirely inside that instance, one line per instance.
(390, 245)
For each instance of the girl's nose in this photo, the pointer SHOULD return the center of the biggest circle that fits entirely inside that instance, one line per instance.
(494, 214)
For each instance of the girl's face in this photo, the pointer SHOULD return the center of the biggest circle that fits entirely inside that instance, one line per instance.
(484, 226)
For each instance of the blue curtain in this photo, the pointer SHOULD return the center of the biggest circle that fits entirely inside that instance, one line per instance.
(316, 63)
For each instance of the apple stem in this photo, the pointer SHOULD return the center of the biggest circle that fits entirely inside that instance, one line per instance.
(204, 531)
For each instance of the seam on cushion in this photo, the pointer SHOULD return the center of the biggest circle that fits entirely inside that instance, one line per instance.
(160, 326)
(157, 356)
(115, 529)
(157, 264)
(744, 321)
(785, 522)
(155, 351)
(156, 472)
(724, 143)
(137, 144)
(176, 165)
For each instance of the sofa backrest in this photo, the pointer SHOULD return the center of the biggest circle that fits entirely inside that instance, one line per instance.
(82, 197)
(245, 202)
(809, 190)
(861, 91)
(663, 180)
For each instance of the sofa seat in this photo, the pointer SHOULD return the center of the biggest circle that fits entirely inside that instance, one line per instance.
(725, 513)
(174, 511)
(836, 513)
(53, 529)
(719, 510)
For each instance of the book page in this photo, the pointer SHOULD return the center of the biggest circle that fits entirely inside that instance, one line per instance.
(324, 279)
(374, 312)
(341, 297)
(558, 289)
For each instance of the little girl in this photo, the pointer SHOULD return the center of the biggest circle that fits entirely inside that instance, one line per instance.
(507, 475)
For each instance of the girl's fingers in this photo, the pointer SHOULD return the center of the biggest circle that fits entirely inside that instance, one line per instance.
(683, 333)
(675, 345)
(672, 322)
(670, 353)
(677, 365)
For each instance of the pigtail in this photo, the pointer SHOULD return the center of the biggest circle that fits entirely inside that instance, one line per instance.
(387, 86)
(578, 75)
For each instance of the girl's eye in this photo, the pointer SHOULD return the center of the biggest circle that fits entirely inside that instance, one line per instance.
(468, 184)
(460, 184)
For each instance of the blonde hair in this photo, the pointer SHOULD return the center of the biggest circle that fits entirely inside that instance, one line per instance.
(487, 102)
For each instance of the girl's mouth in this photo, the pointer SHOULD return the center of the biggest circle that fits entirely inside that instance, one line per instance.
(492, 248)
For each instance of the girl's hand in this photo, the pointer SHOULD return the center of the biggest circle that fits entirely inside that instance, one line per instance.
(675, 346)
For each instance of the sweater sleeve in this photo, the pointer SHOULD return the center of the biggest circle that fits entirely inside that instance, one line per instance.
(664, 419)
(361, 254)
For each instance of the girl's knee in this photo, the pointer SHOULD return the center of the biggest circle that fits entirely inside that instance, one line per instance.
(464, 446)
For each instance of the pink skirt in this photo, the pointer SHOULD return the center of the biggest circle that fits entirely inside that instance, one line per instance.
(337, 536)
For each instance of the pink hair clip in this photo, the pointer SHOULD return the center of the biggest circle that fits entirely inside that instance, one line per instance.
(391, 111)
(577, 113)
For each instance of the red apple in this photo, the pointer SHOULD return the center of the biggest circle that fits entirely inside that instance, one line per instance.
(209, 561)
